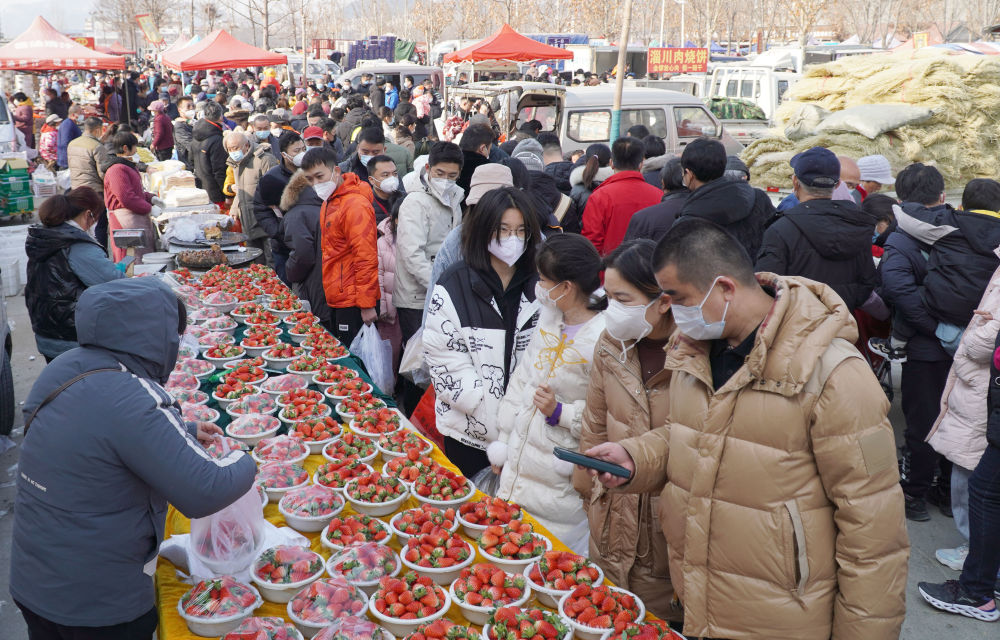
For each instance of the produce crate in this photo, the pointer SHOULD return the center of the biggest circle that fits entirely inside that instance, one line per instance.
(14, 185)
(16, 205)
(13, 167)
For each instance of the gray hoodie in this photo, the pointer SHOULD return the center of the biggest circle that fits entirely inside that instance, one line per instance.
(101, 461)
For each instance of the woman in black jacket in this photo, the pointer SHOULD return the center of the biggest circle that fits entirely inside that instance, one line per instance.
(479, 321)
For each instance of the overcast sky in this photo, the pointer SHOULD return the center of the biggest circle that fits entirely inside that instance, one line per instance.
(65, 15)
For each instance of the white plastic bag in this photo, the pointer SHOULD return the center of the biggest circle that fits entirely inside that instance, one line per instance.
(487, 481)
(376, 353)
(227, 541)
(413, 365)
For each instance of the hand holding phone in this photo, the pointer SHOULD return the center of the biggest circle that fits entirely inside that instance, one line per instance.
(603, 467)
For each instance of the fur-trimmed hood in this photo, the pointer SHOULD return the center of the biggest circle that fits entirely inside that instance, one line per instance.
(293, 190)
(576, 176)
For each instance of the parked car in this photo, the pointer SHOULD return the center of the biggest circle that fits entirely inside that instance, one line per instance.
(6, 373)
(760, 85)
(581, 116)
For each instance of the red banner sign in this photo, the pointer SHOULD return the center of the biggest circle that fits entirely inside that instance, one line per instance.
(85, 41)
(677, 60)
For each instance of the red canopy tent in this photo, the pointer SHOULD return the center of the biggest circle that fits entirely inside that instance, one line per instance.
(219, 50)
(43, 48)
(117, 49)
(507, 44)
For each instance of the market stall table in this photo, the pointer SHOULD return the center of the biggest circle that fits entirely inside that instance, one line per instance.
(169, 585)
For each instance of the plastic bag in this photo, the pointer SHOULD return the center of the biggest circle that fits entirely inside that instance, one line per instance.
(326, 600)
(287, 564)
(253, 424)
(351, 628)
(263, 629)
(283, 383)
(219, 598)
(255, 403)
(314, 501)
(412, 365)
(282, 475)
(487, 481)
(280, 449)
(376, 353)
(578, 538)
(364, 563)
(226, 541)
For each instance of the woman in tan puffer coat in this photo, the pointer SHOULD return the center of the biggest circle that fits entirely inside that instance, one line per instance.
(627, 397)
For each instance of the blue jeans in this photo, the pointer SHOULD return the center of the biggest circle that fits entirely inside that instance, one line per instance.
(279, 265)
(960, 498)
(980, 572)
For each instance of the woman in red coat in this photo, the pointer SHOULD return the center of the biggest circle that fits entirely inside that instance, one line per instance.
(129, 207)
(163, 131)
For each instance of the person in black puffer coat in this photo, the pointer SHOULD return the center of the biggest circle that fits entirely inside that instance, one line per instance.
(822, 239)
(654, 222)
(209, 154)
(732, 204)
(63, 260)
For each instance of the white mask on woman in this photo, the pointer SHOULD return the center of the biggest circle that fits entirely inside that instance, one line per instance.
(509, 250)
(543, 297)
(627, 322)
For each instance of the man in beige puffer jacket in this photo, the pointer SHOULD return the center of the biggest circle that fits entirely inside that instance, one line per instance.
(780, 493)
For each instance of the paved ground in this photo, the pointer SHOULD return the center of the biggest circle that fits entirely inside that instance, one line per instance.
(922, 622)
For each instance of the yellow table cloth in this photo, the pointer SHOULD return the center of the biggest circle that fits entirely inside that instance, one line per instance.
(169, 587)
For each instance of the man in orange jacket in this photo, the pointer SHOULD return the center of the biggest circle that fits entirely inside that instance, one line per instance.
(350, 256)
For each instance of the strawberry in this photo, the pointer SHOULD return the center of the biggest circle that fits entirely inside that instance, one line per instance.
(437, 548)
(422, 594)
(517, 541)
(512, 623)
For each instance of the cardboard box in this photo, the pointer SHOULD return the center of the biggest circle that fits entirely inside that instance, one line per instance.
(15, 185)
(13, 166)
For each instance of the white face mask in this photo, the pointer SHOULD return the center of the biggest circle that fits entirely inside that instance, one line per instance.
(691, 320)
(297, 158)
(627, 322)
(237, 155)
(276, 132)
(324, 189)
(389, 184)
(262, 135)
(543, 297)
(135, 158)
(365, 159)
(189, 114)
(509, 250)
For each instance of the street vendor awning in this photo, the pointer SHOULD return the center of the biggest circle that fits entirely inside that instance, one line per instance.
(117, 49)
(219, 50)
(507, 44)
(43, 48)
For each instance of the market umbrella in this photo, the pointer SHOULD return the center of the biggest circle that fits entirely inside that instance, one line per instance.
(117, 49)
(43, 48)
(507, 44)
(219, 50)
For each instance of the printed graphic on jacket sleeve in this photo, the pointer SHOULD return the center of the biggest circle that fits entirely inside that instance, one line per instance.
(475, 429)
(455, 342)
(445, 381)
(436, 303)
(494, 375)
(477, 344)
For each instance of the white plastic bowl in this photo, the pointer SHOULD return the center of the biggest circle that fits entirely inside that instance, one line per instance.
(337, 548)
(298, 338)
(295, 460)
(218, 627)
(275, 495)
(376, 509)
(285, 592)
(220, 363)
(401, 628)
(403, 537)
(278, 364)
(213, 417)
(316, 446)
(454, 503)
(551, 597)
(366, 459)
(305, 375)
(222, 308)
(238, 317)
(446, 575)
(471, 531)
(309, 524)
(252, 440)
(281, 313)
(340, 490)
(234, 415)
(253, 352)
(479, 615)
(366, 389)
(514, 566)
(290, 422)
(388, 456)
(370, 586)
(485, 635)
(225, 402)
(309, 629)
(582, 631)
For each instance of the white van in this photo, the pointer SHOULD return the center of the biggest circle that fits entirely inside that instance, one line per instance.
(581, 116)
(760, 85)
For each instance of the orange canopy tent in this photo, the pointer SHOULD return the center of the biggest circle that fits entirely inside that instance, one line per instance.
(507, 44)
(219, 50)
(43, 48)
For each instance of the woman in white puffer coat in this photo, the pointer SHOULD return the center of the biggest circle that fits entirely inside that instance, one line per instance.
(545, 399)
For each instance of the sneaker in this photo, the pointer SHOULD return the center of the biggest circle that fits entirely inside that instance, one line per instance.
(951, 597)
(916, 509)
(881, 347)
(954, 559)
(941, 498)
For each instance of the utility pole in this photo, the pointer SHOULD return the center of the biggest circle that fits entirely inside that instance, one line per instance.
(663, 12)
(616, 108)
(192, 18)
